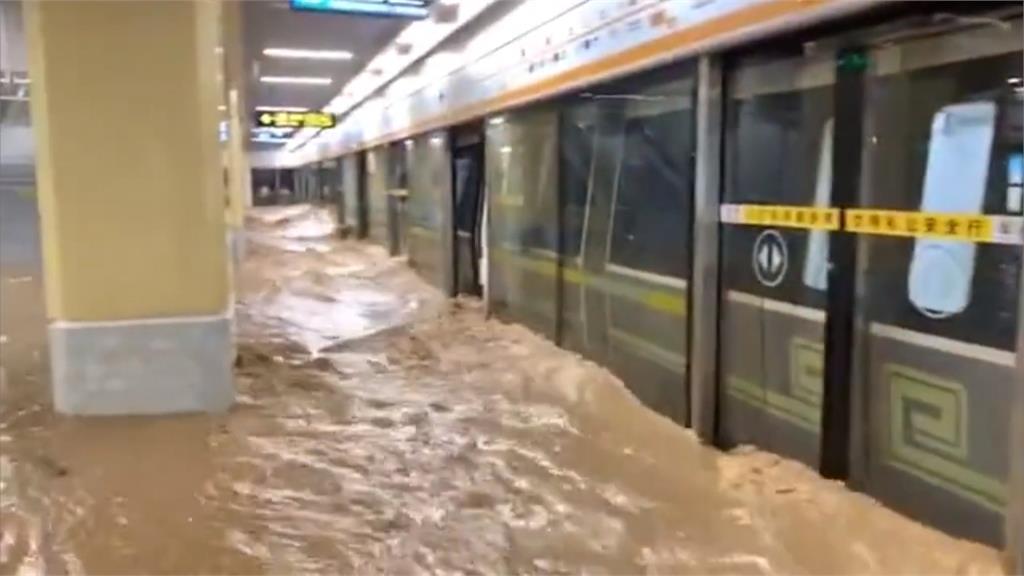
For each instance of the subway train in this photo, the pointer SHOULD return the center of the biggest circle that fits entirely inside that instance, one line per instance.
(806, 239)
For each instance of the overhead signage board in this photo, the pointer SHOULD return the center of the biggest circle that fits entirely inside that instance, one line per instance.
(267, 119)
(414, 9)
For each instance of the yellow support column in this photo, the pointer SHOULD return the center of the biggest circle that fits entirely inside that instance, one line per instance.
(131, 200)
(239, 178)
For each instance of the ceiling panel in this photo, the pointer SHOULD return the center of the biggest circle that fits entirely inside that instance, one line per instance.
(272, 24)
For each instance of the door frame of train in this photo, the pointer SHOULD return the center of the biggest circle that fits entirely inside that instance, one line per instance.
(837, 401)
(1015, 509)
(337, 190)
(362, 205)
(478, 241)
(837, 378)
(448, 234)
(703, 353)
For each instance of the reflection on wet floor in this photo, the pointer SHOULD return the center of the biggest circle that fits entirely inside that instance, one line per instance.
(381, 428)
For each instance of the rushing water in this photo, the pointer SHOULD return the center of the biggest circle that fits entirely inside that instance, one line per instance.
(380, 428)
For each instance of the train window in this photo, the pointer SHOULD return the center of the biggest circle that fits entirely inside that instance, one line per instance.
(520, 150)
(653, 190)
(576, 141)
(778, 151)
(525, 178)
(398, 166)
(426, 158)
(466, 181)
(959, 148)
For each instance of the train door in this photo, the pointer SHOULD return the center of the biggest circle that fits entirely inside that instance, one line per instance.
(376, 194)
(467, 179)
(776, 198)
(397, 182)
(937, 313)
(338, 192)
(521, 163)
(626, 211)
(362, 203)
(287, 181)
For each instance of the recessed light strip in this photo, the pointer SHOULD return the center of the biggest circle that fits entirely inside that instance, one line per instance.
(282, 108)
(305, 54)
(311, 80)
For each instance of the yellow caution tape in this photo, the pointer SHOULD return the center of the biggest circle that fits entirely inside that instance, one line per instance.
(965, 227)
(998, 229)
(781, 216)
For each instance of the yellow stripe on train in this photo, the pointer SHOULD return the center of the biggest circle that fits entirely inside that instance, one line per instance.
(781, 216)
(992, 228)
(965, 227)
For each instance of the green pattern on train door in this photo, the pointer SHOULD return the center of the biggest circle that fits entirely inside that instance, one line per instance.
(928, 435)
(801, 406)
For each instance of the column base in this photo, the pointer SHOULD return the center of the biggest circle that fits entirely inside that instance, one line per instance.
(144, 366)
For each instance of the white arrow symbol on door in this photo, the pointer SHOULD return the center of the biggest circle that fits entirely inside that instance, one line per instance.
(770, 258)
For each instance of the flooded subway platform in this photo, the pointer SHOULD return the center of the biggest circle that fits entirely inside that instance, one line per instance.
(382, 428)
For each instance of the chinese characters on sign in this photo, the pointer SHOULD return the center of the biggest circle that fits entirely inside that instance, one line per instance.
(805, 217)
(993, 228)
(294, 119)
(969, 227)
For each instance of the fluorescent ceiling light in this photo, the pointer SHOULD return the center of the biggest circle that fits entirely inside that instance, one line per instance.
(422, 35)
(282, 108)
(301, 53)
(316, 80)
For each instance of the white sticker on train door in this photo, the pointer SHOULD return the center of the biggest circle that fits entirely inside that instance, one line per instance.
(941, 271)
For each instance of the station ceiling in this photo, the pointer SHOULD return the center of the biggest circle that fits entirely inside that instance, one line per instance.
(273, 24)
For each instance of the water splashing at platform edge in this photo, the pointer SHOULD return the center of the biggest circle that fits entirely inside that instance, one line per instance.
(381, 428)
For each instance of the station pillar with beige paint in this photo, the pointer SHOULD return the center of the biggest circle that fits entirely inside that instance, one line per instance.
(132, 204)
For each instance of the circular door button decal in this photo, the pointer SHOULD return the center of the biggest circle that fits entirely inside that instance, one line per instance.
(771, 259)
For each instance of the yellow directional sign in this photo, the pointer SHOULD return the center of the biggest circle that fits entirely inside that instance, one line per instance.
(781, 216)
(966, 227)
(295, 119)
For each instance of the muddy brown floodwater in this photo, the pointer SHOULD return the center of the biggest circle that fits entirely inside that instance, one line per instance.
(383, 429)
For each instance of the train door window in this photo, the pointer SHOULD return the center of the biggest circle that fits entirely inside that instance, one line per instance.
(943, 126)
(425, 215)
(578, 148)
(467, 165)
(522, 232)
(350, 192)
(628, 146)
(578, 130)
(377, 194)
(654, 188)
(778, 146)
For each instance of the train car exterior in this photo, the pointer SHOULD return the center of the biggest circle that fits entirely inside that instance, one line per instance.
(795, 225)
